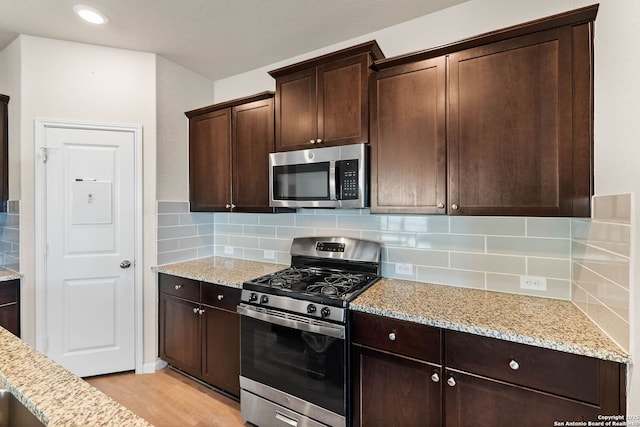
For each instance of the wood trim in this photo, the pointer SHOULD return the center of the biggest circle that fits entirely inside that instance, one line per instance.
(231, 103)
(370, 47)
(572, 17)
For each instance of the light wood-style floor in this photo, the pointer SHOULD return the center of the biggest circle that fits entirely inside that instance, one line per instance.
(168, 398)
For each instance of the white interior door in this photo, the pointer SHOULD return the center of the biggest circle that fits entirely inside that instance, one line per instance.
(89, 265)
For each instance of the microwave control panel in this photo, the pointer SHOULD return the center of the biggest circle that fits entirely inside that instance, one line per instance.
(347, 179)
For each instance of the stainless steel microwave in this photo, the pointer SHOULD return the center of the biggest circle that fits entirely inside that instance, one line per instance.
(330, 177)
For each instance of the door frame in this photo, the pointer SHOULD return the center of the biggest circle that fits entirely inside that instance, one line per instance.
(40, 127)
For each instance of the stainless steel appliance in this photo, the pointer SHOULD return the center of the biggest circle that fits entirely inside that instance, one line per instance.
(294, 333)
(331, 177)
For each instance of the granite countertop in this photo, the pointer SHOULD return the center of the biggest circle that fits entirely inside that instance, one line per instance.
(6, 275)
(222, 271)
(542, 322)
(55, 395)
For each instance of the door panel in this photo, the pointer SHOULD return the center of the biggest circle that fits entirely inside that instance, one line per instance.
(90, 230)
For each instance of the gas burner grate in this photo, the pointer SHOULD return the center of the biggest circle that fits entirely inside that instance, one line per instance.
(285, 279)
(336, 284)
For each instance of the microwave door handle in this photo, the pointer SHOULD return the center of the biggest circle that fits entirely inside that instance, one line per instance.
(332, 180)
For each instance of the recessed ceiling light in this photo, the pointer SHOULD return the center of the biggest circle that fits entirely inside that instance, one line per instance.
(90, 14)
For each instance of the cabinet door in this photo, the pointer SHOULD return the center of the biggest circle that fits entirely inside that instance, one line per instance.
(296, 110)
(180, 334)
(210, 161)
(408, 145)
(221, 349)
(476, 401)
(343, 116)
(10, 306)
(252, 142)
(516, 144)
(395, 391)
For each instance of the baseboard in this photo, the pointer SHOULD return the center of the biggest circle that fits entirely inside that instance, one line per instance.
(149, 368)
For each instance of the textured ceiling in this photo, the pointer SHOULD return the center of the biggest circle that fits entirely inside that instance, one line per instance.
(216, 38)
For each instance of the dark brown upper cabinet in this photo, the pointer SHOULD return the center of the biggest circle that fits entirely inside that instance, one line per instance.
(514, 111)
(4, 152)
(408, 138)
(229, 146)
(324, 101)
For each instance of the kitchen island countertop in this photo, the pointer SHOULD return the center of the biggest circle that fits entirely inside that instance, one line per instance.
(56, 396)
(542, 322)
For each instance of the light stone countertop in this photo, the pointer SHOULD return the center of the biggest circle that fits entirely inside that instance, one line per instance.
(542, 322)
(220, 270)
(56, 396)
(6, 275)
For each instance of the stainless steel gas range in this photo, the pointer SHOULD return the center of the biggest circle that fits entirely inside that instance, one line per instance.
(294, 333)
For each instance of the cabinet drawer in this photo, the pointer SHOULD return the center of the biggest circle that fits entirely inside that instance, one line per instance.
(9, 291)
(220, 296)
(565, 374)
(397, 336)
(180, 287)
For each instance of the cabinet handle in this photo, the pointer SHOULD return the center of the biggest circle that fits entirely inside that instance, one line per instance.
(441, 205)
(177, 287)
(454, 207)
(514, 365)
(435, 377)
(451, 381)
(392, 336)
(220, 297)
(195, 310)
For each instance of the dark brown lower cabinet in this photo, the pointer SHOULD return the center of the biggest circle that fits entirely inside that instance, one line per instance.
(478, 401)
(395, 391)
(199, 330)
(406, 374)
(10, 306)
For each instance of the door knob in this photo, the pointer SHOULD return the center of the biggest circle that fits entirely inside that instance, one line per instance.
(125, 264)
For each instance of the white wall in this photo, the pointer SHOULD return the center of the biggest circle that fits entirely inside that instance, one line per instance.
(73, 81)
(617, 96)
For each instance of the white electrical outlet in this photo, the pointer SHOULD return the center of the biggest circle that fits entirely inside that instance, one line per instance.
(405, 269)
(269, 254)
(533, 282)
(228, 250)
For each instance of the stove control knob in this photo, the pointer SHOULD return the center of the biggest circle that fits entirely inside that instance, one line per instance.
(264, 299)
(311, 309)
(253, 297)
(325, 312)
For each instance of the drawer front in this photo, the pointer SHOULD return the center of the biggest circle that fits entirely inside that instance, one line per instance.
(221, 296)
(565, 374)
(397, 336)
(9, 291)
(180, 287)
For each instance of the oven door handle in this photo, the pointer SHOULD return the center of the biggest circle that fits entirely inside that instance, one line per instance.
(318, 327)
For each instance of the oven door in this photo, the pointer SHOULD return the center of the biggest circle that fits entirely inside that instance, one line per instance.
(301, 357)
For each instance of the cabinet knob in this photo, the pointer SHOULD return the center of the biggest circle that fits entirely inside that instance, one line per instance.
(451, 381)
(392, 336)
(514, 365)
(227, 206)
(313, 141)
(220, 297)
(177, 287)
(435, 377)
(441, 205)
(233, 206)
(195, 310)
(200, 312)
(454, 207)
(318, 141)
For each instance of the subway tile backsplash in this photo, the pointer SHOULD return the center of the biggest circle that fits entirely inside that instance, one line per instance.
(479, 252)
(10, 237)
(601, 265)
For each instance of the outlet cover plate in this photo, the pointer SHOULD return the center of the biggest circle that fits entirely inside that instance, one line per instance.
(534, 283)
